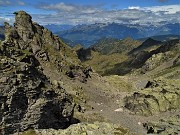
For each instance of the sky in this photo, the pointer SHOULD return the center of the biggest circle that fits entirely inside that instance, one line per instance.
(75, 12)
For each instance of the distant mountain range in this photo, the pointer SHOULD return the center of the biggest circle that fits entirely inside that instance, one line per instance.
(90, 34)
(56, 28)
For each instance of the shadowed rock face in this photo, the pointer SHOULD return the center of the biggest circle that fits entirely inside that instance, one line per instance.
(27, 99)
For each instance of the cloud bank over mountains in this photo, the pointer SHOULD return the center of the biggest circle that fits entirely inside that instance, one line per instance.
(62, 13)
(75, 14)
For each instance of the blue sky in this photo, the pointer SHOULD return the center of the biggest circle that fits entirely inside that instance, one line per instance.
(143, 12)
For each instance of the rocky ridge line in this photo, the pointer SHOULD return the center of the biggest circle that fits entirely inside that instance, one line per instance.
(28, 99)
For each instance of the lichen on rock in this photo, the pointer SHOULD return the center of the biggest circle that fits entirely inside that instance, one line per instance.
(27, 98)
(96, 128)
(159, 95)
(167, 126)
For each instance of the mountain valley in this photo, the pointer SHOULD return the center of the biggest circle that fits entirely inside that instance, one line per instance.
(114, 87)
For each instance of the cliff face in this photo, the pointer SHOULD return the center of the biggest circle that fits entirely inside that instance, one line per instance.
(27, 98)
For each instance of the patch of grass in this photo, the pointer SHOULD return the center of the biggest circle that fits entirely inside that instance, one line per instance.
(103, 63)
(109, 45)
(168, 72)
(79, 95)
(29, 132)
(120, 82)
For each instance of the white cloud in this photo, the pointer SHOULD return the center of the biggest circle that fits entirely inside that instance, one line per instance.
(6, 19)
(76, 14)
(134, 7)
(21, 3)
(70, 8)
(169, 9)
(61, 7)
(5, 2)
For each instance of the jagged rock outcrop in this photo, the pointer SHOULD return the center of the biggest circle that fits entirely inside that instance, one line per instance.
(28, 35)
(165, 55)
(48, 48)
(27, 98)
(167, 126)
(155, 60)
(159, 96)
(24, 26)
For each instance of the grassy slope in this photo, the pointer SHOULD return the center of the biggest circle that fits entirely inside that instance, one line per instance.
(110, 46)
(110, 52)
(101, 63)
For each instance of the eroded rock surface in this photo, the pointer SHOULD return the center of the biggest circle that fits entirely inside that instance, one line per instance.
(47, 48)
(159, 95)
(97, 128)
(27, 98)
(168, 126)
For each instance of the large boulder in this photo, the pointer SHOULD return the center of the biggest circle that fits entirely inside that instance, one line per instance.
(167, 126)
(159, 95)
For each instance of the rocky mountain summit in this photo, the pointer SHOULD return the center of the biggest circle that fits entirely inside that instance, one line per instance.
(30, 36)
(28, 99)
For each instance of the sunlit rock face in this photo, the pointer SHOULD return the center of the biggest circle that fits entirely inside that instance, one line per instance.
(27, 98)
